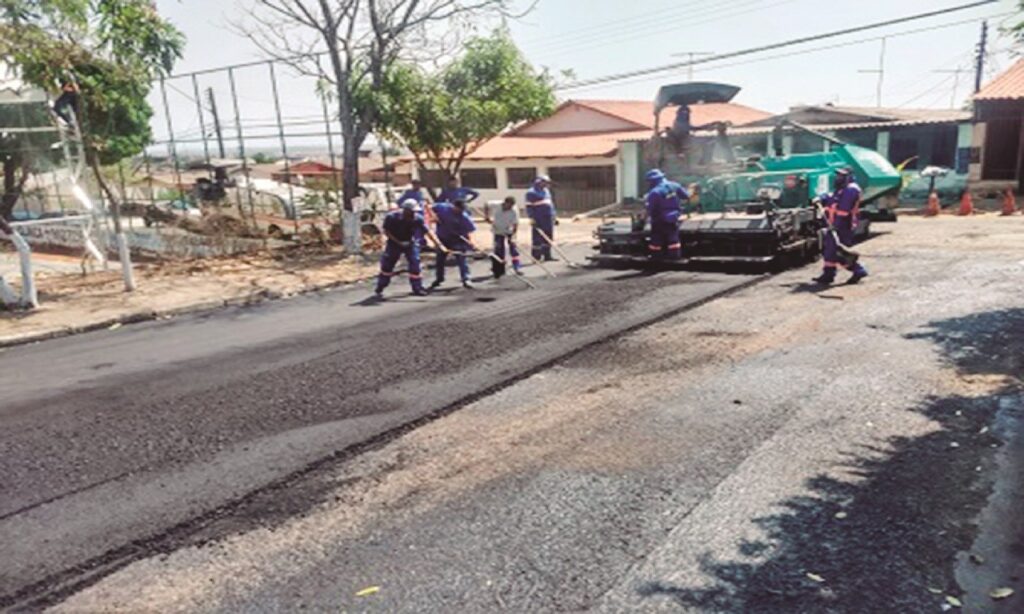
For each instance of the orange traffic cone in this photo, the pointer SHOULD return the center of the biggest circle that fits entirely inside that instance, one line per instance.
(933, 205)
(966, 204)
(1009, 202)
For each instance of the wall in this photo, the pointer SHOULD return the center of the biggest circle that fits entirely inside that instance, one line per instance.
(541, 164)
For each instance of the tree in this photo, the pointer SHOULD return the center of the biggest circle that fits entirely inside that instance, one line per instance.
(112, 50)
(352, 43)
(443, 118)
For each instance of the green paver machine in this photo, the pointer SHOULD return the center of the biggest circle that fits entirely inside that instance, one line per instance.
(758, 209)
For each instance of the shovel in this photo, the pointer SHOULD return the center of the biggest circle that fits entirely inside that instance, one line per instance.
(570, 263)
(495, 261)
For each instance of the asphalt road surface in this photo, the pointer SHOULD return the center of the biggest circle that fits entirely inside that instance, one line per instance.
(615, 442)
(118, 441)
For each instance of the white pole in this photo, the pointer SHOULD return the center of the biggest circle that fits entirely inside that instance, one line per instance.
(29, 297)
(126, 262)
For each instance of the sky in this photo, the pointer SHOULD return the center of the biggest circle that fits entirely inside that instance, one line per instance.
(595, 38)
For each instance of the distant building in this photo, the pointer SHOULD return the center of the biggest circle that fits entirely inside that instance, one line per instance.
(997, 161)
(578, 147)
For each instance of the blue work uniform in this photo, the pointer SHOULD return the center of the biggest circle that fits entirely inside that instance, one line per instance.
(842, 208)
(413, 194)
(664, 204)
(540, 208)
(450, 195)
(452, 226)
(405, 231)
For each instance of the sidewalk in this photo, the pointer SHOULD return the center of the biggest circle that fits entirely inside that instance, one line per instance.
(72, 303)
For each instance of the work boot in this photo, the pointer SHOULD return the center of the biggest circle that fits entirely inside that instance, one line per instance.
(468, 285)
(420, 292)
(856, 277)
(825, 279)
(378, 294)
(437, 284)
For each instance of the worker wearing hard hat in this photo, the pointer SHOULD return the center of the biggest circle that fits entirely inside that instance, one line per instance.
(401, 228)
(540, 208)
(455, 228)
(664, 203)
(841, 207)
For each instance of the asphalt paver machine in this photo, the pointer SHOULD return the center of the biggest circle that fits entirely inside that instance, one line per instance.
(754, 209)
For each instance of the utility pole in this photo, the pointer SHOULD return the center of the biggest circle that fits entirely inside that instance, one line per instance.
(956, 72)
(216, 121)
(880, 71)
(690, 55)
(979, 59)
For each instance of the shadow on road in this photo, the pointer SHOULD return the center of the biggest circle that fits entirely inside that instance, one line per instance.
(901, 524)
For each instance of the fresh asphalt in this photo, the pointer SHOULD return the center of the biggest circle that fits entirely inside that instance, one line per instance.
(117, 444)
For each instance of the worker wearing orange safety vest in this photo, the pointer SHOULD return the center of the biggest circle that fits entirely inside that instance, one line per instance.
(842, 206)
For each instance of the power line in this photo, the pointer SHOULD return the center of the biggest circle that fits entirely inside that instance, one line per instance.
(700, 18)
(611, 27)
(829, 47)
(762, 48)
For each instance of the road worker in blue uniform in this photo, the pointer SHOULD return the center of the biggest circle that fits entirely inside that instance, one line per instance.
(416, 193)
(401, 228)
(455, 228)
(664, 207)
(841, 207)
(540, 208)
(454, 192)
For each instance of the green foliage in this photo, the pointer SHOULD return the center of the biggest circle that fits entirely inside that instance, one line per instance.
(444, 117)
(261, 158)
(112, 49)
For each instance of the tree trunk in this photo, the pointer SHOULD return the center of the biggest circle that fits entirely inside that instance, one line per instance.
(122, 243)
(13, 187)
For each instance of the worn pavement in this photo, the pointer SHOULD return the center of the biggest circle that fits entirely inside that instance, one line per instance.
(776, 449)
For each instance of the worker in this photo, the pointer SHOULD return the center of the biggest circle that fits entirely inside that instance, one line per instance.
(842, 207)
(664, 202)
(401, 228)
(540, 208)
(453, 192)
(455, 230)
(416, 193)
(66, 106)
(505, 224)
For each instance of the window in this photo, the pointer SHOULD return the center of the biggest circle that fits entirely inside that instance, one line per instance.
(521, 177)
(479, 178)
(903, 148)
(584, 177)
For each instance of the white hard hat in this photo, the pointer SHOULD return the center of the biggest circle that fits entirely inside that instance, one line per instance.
(544, 178)
(410, 204)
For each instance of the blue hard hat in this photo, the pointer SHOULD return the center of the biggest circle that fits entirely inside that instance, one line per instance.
(655, 175)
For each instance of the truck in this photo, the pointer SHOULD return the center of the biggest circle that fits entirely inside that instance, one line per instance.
(757, 209)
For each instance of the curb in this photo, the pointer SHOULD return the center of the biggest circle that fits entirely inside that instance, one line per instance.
(137, 317)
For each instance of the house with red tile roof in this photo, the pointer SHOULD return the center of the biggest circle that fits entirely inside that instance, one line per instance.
(578, 147)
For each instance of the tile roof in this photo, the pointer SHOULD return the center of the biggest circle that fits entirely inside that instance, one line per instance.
(1007, 86)
(640, 112)
(585, 145)
(605, 143)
